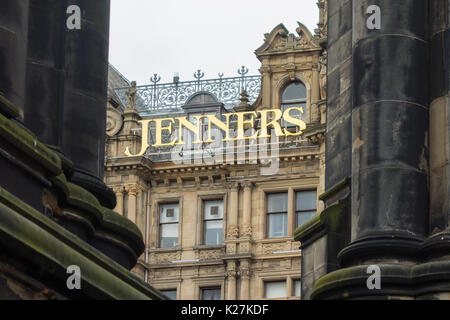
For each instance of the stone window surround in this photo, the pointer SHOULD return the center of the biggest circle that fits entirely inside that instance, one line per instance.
(169, 286)
(282, 84)
(200, 284)
(289, 286)
(156, 215)
(291, 219)
(205, 196)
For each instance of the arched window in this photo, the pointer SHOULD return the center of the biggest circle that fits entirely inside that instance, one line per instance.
(294, 95)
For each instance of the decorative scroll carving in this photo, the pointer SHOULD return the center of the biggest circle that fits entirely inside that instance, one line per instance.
(114, 121)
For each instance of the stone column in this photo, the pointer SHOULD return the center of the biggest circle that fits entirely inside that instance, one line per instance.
(244, 273)
(232, 218)
(13, 50)
(291, 212)
(315, 88)
(231, 280)
(439, 117)
(132, 202)
(266, 84)
(85, 92)
(246, 230)
(119, 196)
(45, 70)
(390, 132)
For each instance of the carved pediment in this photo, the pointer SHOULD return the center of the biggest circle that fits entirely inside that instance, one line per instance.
(280, 40)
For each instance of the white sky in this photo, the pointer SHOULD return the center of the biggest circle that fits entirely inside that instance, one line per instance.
(168, 36)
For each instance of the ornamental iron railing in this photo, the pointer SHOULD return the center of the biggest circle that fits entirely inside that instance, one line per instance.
(169, 97)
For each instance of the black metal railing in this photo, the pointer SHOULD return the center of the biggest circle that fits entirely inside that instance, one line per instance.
(169, 97)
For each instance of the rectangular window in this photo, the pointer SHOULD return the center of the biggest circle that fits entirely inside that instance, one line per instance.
(277, 204)
(275, 289)
(171, 294)
(213, 222)
(211, 293)
(306, 206)
(297, 288)
(168, 225)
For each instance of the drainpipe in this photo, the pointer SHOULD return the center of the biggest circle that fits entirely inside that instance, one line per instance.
(147, 225)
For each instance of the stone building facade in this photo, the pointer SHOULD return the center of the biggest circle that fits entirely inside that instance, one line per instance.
(225, 229)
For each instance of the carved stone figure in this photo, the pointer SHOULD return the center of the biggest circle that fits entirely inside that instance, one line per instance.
(323, 75)
(131, 96)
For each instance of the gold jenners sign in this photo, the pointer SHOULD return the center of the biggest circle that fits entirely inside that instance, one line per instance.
(269, 120)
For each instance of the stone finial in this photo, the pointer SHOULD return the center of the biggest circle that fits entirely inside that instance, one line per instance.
(244, 105)
(131, 96)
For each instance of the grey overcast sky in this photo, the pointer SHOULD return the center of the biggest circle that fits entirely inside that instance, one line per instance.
(168, 36)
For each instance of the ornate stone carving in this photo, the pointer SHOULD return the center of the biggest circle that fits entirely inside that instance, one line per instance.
(114, 121)
(233, 232)
(323, 75)
(244, 272)
(268, 248)
(231, 248)
(132, 190)
(231, 270)
(246, 231)
(279, 40)
(211, 254)
(164, 257)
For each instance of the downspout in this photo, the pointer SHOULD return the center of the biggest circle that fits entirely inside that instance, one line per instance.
(147, 222)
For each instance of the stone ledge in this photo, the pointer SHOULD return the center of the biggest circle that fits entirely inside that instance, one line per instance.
(51, 248)
(9, 109)
(29, 145)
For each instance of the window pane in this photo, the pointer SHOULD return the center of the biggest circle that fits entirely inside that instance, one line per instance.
(297, 288)
(169, 235)
(294, 91)
(306, 200)
(213, 232)
(211, 294)
(213, 209)
(277, 202)
(303, 217)
(275, 289)
(169, 213)
(294, 113)
(277, 225)
(171, 294)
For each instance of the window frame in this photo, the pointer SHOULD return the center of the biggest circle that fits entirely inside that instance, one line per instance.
(160, 224)
(274, 281)
(219, 288)
(296, 212)
(290, 103)
(204, 220)
(175, 289)
(276, 213)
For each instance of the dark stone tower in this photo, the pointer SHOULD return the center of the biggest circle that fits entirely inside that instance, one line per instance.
(55, 210)
(13, 50)
(66, 87)
(388, 108)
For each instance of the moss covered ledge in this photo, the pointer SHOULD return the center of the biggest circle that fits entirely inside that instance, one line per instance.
(331, 219)
(42, 236)
(29, 145)
(9, 109)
